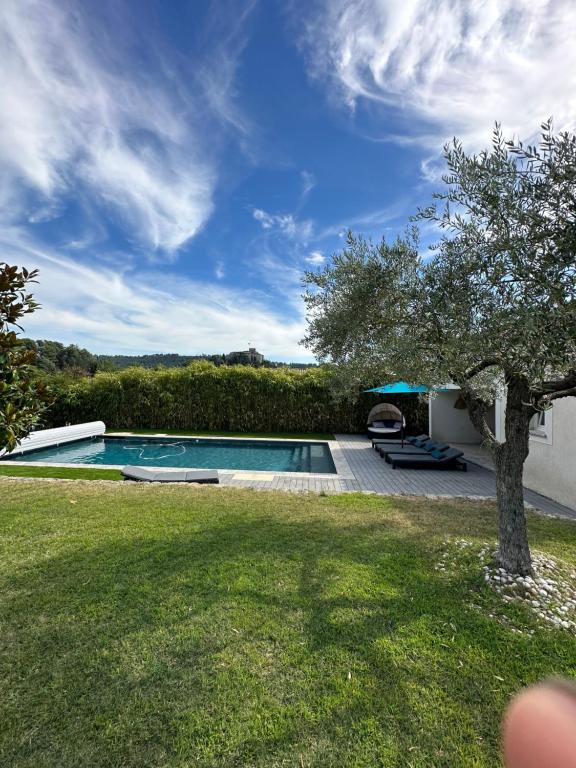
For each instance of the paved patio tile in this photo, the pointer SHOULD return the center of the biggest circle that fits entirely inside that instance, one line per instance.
(374, 474)
(362, 469)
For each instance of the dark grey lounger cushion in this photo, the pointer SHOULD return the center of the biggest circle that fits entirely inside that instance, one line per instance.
(378, 442)
(418, 439)
(450, 458)
(384, 450)
(143, 474)
(434, 449)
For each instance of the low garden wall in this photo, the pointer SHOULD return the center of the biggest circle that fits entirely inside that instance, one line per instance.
(228, 398)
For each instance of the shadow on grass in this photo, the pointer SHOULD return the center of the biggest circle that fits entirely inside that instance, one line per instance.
(257, 641)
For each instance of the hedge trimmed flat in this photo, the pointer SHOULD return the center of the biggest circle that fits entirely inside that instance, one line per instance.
(144, 475)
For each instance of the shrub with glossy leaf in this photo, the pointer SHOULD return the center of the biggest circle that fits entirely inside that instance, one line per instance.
(22, 399)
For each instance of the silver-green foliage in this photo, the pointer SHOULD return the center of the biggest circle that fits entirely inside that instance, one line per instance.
(493, 307)
(497, 292)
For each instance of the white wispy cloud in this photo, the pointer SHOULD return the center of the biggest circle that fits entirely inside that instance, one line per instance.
(282, 251)
(372, 222)
(285, 223)
(81, 117)
(225, 39)
(122, 311)
(280, 273)
(316, 258)
(308, 184)
(450, 66)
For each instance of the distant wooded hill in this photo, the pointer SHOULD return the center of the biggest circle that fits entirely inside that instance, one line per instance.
(170, 360)
(179, 361)
(55, 357)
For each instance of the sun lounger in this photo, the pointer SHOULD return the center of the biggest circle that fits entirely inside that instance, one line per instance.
(376, 441)
(449, 459)
(420, 446)
(412, 450)
(412, 440)
(145, 475)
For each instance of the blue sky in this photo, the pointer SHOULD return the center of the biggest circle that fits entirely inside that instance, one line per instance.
(172, 168)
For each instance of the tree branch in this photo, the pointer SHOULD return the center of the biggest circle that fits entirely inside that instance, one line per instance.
(569, 392)
(476, 369)
(549, 389)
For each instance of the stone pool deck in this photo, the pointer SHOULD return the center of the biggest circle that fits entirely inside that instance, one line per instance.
(360, 468)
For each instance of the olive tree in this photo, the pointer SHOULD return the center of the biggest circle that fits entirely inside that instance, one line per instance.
(492, 309)
(22, 399)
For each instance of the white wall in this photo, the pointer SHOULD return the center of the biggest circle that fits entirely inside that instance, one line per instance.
(550, 467)
(452, 425)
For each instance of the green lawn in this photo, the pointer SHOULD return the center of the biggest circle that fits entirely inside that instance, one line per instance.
(70, 473)
(172, 627)
(275, 435)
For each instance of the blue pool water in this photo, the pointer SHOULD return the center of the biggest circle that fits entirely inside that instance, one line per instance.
(274, 456)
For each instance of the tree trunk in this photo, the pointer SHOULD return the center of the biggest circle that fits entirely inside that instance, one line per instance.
(514, 553)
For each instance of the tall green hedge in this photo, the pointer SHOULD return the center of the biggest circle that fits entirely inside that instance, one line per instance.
(227, 398)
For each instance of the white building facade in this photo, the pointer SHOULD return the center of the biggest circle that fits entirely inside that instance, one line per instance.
(550, 468)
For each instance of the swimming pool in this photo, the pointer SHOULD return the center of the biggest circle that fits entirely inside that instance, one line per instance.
(196, 453)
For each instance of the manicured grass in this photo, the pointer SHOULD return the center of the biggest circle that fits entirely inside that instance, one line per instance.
(168, 626)
(274, 435)
(68, 473)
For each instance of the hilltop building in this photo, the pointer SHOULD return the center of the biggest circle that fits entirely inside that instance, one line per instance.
(248, 357)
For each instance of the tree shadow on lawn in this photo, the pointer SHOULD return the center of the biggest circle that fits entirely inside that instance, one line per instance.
(284, 643)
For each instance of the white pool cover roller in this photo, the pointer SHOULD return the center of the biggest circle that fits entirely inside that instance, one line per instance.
(47, 438)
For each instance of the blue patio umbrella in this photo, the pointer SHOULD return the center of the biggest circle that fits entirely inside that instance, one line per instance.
(399, 388)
